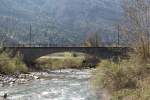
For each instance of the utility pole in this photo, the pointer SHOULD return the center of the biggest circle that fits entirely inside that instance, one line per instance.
(95, 39)
(118, 41)
(30, 36)
(49, 41)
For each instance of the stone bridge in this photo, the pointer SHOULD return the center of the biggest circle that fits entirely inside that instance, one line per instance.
(32, 53)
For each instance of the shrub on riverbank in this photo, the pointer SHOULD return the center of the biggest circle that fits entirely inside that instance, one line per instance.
(11, 65)
(126, 80)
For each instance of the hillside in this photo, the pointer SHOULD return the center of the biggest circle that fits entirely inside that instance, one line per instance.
(65, 21)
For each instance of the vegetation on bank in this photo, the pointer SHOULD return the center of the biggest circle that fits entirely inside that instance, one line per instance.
(125, 80)
(64, 60)
(11, 65)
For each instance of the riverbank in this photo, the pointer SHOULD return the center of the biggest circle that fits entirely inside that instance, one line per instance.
(11, 80)
(124, 80)
(66, 60)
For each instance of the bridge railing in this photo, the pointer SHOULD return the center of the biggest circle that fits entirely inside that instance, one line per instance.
(39, 45)
(53, 45)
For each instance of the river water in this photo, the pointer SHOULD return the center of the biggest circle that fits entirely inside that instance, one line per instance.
(69, 84)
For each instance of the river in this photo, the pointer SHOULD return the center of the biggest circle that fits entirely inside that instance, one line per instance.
(68, 84)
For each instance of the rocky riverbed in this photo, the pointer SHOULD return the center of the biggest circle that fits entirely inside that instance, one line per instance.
(11, 80)
(67, 84)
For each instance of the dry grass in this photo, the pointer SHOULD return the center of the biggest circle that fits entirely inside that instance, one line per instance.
(9, 65)
(126, 80)
(68, 60)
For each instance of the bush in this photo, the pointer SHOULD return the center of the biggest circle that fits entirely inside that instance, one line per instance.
(114, 76)
(124, 80)
(12, 65)
(141, 93)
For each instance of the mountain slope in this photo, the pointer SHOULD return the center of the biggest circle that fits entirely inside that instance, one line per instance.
(57, 19)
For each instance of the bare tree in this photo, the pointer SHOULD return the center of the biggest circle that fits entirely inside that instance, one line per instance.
(138, 24)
